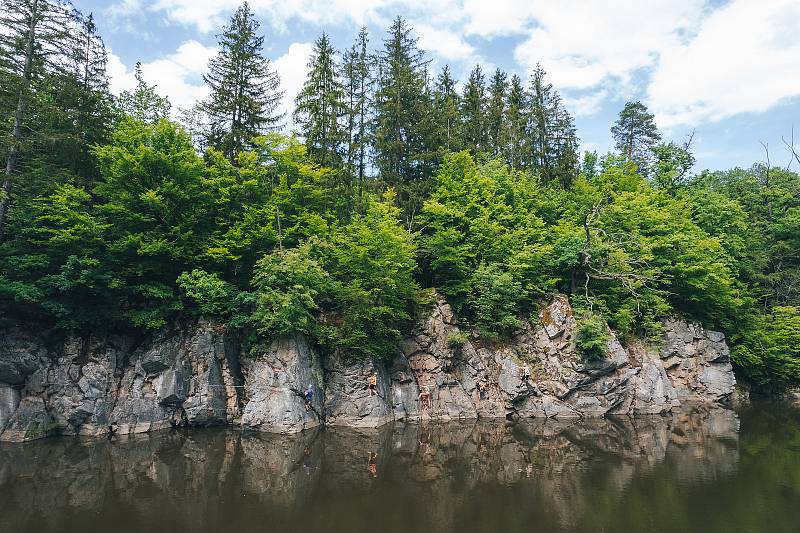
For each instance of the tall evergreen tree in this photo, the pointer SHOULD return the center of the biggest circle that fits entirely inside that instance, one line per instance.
(402, 153)
(473, 112)
(565, 158)
(357, 74)
(245, 92)
(540, 117)
(36, 39)
(144, 103)
(446, 103)
(550, 143)
(321, 107)
(515, 123)
(495, 113)
(635, 134)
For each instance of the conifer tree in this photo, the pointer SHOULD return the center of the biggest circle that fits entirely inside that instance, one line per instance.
(446, 111)
(515, 123)
(495, 113)
(36, 39)
(321, 107)
(144, 103)
(635, 134)
(245, 92)
(540, 116)
(473, 112)
(357, 74)
(402, 153)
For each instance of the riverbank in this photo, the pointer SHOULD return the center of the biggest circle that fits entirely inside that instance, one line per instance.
(202, 374)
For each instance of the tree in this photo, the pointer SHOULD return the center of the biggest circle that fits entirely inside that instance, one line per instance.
(473, 112)
(515, 123)
(357, 74)
(496, 113)
(402, 153)
(446, 104)
(144, 103)
(320, 107)
(635, 134)
(244, 91)
(35, 39)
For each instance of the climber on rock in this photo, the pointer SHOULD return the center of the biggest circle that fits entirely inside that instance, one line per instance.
(425, 398)
(372, 384)
(526, 372)
(481, 389)
(309, 396)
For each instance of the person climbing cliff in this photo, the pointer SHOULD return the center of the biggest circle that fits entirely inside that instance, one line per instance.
(425, 398)
(309, 396)
(372, 384)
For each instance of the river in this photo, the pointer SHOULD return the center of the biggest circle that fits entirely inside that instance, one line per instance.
(697, 470)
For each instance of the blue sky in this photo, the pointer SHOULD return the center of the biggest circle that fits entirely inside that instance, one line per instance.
(724, 69)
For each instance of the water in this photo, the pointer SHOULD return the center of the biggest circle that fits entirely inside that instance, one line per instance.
(709, 471)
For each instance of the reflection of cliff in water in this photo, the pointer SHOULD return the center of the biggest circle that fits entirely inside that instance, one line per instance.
(463, 476)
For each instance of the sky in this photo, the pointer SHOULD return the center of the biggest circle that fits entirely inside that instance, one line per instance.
(725, 70)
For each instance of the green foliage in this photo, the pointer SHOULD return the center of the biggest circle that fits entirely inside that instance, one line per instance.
(288, 285)
(591, 337)
(457, 339)
(211, 294)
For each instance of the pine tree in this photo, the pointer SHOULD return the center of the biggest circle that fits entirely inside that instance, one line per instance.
(495, 113)
(402, 153)
(320, 107)
(245, 93)
(36, 40)
(540, 117)
(473, 112)
(565, 158)
(144, 103)
(515, 123)
(357, 73)
(635, 134)
(446, 103)
(81, 104)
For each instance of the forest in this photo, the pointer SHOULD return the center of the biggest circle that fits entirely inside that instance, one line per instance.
(395, 182)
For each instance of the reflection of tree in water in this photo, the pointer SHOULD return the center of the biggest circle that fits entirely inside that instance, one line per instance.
(585, 475)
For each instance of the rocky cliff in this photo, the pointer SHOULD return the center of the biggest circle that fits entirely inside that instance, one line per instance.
(198, 374)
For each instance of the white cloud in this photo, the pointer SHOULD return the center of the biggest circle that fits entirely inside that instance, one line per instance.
(583, 44)
(744, 59)
(292, 67)
(585, 105)
(444, 43)
(177, 75)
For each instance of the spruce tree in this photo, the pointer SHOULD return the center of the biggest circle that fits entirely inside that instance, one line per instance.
(37, 39)
(245, 92)
(320, 107)
(515, 123)
(473, 112)
(495, 113)
(144, 103)
(447, 113)
(540, 117)
(402, 152)
(357, 74)
(565, 158)
(635, 134)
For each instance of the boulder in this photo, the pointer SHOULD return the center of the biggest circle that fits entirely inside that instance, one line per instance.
(30, 421)
(348, 400)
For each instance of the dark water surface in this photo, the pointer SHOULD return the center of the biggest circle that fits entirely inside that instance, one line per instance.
(709, 471)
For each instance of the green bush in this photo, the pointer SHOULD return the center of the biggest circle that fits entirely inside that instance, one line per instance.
(592, 337)
(457, 339)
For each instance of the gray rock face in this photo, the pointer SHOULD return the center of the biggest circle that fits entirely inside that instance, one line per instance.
(348, 399)
(275, 382)
(697, 362)
(198, 374)
(9, 400)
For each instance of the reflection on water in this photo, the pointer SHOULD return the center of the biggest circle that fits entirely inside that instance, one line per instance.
(692, 471)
